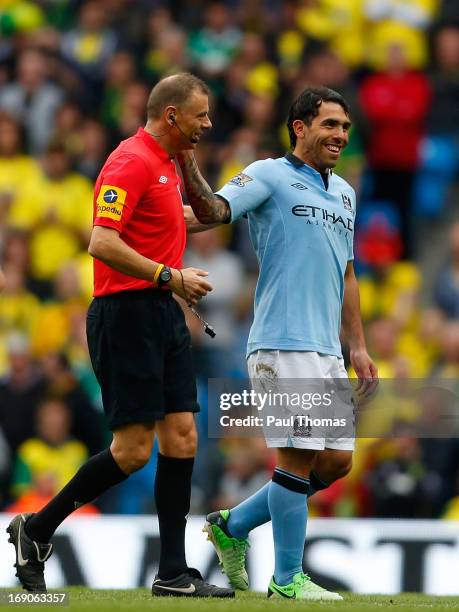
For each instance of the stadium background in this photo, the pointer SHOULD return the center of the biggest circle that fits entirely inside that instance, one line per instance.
(74, 80)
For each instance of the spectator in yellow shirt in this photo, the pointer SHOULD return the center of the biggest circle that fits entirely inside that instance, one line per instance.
(62, 201)
(340, 24)
(51, 452)
(16, 172)
(399, 22)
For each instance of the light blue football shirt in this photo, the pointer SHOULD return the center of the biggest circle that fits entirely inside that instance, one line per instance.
(303, 237)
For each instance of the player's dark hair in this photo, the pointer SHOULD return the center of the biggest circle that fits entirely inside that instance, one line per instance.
(173, 91)
(306, 107)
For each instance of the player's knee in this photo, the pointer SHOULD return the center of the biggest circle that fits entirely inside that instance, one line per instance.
(341, 468)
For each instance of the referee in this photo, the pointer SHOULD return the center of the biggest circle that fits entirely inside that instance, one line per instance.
(138, 340)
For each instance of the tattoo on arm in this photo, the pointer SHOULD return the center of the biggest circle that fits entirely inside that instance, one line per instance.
(207, 207)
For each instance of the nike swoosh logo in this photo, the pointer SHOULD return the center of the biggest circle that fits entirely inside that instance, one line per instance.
(281, 593)
(21, 559)
(189, 589)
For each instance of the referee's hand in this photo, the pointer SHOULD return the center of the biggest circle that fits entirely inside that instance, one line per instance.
(189, 284)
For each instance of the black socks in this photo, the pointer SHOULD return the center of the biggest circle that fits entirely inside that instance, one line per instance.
(93, 478)
(172, 495)
(99, 473)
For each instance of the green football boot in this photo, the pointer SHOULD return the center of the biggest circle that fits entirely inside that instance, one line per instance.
(302, 587)
(231, 551)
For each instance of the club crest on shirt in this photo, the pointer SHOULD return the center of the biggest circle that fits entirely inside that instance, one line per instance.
(299, 429)
(241, 179)
(110, 202)
(346, 201)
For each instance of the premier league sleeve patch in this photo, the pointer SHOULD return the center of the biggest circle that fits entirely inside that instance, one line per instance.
(240, 179)
(347, 201)
(110, 202)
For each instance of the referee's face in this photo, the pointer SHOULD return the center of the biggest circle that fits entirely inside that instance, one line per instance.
(320, 144)
(192, 120)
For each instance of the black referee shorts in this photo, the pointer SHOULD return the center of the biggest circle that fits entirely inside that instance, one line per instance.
(141, 354)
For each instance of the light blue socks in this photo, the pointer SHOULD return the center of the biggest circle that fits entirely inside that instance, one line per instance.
(288, 507)
(250, 513)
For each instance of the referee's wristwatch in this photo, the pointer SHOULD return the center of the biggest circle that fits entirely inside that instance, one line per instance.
(164, 276)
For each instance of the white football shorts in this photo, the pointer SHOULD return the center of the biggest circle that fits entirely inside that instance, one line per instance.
(272, 374)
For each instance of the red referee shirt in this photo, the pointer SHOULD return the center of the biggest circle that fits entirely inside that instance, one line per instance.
(137, 193)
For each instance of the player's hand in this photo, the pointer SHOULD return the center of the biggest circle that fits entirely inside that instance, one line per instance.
(367, 373)
(189, 216)
(193, 287)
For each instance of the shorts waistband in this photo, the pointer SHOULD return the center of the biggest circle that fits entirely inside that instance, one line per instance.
(149, 293)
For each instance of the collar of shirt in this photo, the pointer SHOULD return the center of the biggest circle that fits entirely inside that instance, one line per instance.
(299, 163)
(152, 144)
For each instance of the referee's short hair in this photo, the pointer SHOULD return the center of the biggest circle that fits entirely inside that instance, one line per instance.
(173, 91)
(306, 107)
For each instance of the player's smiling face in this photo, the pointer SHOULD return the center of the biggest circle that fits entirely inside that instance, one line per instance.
(320, 144)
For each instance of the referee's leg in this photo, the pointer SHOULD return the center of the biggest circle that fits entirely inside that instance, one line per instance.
(30, 533)
(129, 451)
(177, 437)
(132, 445)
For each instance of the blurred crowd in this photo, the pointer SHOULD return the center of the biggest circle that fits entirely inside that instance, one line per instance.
(74, 80)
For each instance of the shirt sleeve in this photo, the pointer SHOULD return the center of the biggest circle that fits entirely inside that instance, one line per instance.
(124, 182)
(249, 189)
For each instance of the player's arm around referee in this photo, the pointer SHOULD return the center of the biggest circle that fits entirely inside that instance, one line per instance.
(138, 340)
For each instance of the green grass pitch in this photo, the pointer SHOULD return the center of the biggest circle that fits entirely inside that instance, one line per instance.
(141, 599)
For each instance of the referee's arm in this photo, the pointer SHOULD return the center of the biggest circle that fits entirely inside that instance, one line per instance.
(2, 280)
(107, 246)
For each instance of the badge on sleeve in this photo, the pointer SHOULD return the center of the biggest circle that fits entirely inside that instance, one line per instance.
(110, 202)
(241, 179)
(346, 201)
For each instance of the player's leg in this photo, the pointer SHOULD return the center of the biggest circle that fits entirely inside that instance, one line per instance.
(330, 465)
(263, 368)
(335, 461)
(288, 495)
(287, 500)
(249, 514)
(228, 530)
(30, 533)
(290, 487)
